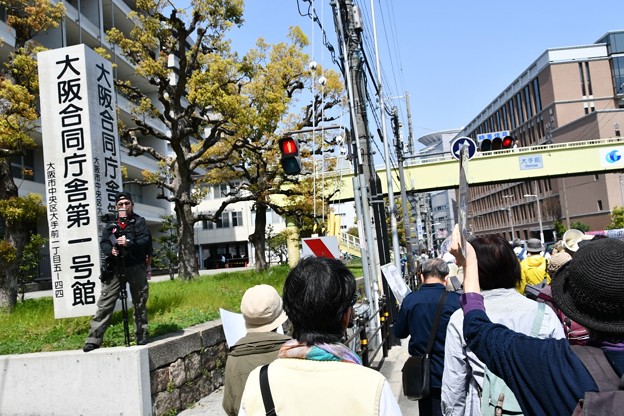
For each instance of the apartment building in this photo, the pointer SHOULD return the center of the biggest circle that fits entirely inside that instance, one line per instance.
(226, 242)
(86, 22)
(567, 94)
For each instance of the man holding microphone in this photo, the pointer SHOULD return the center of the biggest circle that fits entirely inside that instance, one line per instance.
(127, 241)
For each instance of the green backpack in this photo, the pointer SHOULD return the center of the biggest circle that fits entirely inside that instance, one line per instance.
(496, 398)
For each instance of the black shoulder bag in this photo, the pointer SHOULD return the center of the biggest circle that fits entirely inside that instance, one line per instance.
(265, 389)
(417, 368)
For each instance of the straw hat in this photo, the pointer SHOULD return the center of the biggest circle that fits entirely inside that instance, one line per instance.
(557, 260)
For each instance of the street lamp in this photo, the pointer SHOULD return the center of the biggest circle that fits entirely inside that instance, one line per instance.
(510, 221)
(513, 233)
(539, 215)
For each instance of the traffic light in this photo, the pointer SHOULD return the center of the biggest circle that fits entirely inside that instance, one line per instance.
(485, 145)
(291, 162)
(496, 143)
(507, 142)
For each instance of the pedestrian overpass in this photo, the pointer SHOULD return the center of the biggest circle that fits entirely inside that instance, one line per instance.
(510, 165)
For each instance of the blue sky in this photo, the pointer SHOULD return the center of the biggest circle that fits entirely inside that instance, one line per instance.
(453, 57)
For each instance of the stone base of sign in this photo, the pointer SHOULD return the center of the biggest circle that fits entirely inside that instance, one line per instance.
(163, 377)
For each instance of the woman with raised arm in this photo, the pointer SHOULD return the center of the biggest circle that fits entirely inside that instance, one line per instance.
(468, 388)
(545, 375)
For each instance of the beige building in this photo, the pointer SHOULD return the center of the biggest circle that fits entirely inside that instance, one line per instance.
(566, 95)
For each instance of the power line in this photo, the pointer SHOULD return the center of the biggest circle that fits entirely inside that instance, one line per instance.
(311, 13)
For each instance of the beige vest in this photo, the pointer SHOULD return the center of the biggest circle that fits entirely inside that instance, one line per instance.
(305, 387)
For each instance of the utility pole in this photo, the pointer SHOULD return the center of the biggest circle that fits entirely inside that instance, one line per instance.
(368, 250)
(349, 28)
(411, 266)
(410, 133)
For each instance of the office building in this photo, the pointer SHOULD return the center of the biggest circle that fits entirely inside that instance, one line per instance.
(567, 94)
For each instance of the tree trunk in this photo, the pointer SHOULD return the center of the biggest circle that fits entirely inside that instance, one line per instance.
(187, 262)
(258, 238)
(15, 235)
(171, 272)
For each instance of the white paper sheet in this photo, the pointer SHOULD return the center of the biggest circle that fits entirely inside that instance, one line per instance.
(234, 326)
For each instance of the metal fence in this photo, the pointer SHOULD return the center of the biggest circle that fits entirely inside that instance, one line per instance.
(363, 331)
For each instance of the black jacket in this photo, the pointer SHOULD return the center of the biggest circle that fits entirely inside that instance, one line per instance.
(136, 233)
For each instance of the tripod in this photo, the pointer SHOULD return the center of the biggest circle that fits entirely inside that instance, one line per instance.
(120, 272)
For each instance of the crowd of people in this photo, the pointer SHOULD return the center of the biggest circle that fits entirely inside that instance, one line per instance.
(547, 376)
(526, 333)
(314, 372)
(503, 344)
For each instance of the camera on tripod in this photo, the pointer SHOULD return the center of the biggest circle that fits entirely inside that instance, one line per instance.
(113, 265)
(110, 264)
(113, 225)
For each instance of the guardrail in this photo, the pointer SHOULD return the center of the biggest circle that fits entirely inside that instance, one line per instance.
(362, 334)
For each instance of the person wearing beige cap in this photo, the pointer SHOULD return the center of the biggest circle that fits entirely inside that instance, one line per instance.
(262, 310)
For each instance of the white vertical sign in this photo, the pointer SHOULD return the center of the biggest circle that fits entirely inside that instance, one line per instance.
(83, 169)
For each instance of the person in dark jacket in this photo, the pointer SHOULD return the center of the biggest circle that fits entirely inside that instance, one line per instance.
(262, 310)
(415, 320)
(125, 242)
(546, 375)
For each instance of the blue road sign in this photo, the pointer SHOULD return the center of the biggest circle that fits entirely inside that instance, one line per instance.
(457, 144)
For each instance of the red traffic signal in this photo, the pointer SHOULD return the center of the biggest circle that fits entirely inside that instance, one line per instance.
(289, 146)
(507, 142)
(496, 143)
(291, 162)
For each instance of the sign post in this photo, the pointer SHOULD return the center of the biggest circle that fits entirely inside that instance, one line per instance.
(468, 143)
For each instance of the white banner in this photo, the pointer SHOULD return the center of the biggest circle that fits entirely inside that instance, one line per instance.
(83, 169)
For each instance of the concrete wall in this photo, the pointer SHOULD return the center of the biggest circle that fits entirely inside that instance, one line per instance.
(164, 377)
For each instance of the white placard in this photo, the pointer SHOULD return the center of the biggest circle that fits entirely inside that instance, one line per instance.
(234, 326)
(395, 281)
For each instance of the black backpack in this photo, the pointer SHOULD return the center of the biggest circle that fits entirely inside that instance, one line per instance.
(609, 399)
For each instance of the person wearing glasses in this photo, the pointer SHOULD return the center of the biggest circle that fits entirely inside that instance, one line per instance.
(127, 240)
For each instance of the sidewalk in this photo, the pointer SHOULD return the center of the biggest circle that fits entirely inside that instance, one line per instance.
(391, 369)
